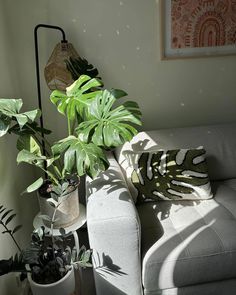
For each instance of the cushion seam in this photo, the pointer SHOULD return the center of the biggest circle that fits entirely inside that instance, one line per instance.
(186, 249)
(193, 257)
(213, 230)
(221, 204)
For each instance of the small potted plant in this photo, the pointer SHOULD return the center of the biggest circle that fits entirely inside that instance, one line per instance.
(48, 262)
(95, 125)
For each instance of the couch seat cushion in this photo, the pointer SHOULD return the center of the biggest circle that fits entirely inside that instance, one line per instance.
(189, 242)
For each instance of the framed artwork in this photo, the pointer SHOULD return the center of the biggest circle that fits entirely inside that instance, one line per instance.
(197, 28)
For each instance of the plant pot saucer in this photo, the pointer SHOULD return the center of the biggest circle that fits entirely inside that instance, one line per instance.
(38, 222)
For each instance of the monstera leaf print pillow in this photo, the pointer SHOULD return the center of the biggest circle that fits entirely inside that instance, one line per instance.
(179, 174)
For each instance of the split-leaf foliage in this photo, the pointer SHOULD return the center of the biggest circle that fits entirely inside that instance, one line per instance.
(96, 122)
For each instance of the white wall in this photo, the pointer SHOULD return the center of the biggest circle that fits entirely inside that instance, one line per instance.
(13, 179)
(121, 38)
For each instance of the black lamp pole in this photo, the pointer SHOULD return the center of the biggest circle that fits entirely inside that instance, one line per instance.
(38, 74)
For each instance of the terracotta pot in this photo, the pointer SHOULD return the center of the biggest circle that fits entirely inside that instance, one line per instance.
(67, 213)
(65, 286)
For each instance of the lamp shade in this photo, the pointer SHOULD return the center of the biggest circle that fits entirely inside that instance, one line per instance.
(56, 73)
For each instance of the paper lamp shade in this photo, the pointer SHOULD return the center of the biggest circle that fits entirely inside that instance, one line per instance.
(56, 74)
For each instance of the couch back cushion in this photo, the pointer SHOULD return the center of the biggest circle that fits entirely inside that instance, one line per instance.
(219, 141)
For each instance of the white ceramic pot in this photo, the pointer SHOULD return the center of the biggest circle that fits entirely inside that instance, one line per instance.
(67, 213)
(65, 286)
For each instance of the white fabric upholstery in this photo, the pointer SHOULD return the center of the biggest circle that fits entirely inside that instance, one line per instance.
(226, 287)
(219, 141)
(195, 241)
(154, 174)
(114, 228)
(187, 247)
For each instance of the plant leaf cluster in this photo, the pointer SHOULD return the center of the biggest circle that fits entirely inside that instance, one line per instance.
(80, 66)
(13, 264)
(48, 262)
(48, 257)
(6, 217)
(96, 122)
(16, 263)
(10, 112)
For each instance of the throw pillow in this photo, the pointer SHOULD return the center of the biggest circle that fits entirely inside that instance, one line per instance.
(179, 174)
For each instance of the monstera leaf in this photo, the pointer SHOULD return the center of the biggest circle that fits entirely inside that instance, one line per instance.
(4, 125)
(109, 127)
(81, 157)
(30, 158)
(80, 66)
(28, 143)
(30, 128)
(30, 152)
(10, 110)
(77, 97)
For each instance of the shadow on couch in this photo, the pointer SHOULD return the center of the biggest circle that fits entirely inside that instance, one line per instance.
(202, 254)
(193, 237)
(182, 277)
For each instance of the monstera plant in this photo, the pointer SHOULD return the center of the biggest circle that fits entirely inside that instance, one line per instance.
(94, 124)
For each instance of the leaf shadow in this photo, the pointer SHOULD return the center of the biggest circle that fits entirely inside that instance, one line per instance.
(105, 265)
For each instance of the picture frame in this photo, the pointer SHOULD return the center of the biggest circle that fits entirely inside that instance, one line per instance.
(192, 29)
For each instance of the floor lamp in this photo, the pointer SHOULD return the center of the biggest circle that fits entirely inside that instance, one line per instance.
(55, 70)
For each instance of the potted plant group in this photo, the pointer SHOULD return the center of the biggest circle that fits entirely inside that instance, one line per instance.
(48, 262)
(95, 124)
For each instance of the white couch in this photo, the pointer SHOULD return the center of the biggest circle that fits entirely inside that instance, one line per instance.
(167, 247)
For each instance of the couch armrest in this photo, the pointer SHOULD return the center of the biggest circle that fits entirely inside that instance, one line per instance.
(114, 233)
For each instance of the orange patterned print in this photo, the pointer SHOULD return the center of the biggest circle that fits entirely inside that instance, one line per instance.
(203, 23)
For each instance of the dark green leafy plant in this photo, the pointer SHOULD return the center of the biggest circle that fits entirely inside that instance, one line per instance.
(16, 263)
(47, 262)
(6, 216)
(48, 257)
(10, 112)
(95, 124)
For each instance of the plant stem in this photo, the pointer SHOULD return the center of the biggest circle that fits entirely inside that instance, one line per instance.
(10, 233)
(45, 140)
(73, 127)
(41, 137)
(57, 171)
(50, 175)
(59, 164)
(69, 127)
(52, 228)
